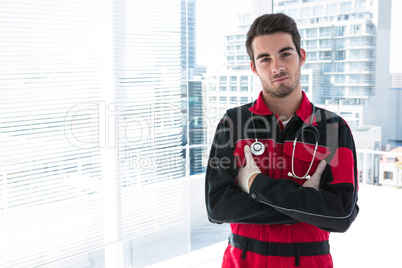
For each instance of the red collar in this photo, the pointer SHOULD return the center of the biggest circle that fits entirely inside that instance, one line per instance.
(303, 112)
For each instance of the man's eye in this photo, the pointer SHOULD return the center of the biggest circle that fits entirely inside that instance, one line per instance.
(265, 60)
(286, 54)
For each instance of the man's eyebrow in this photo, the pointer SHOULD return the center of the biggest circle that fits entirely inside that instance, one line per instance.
(285, 48)
(263, 55)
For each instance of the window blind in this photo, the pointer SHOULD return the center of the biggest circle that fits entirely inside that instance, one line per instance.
(148, 101)
(50, 187)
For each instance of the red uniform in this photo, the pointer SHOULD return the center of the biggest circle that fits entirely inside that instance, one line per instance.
(281, 223)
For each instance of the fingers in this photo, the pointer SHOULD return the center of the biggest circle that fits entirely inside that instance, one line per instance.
(320, 168)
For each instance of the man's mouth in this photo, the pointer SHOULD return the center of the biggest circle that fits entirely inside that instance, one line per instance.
(281, 79)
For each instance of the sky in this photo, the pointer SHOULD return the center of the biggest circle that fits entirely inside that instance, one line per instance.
(214, 23)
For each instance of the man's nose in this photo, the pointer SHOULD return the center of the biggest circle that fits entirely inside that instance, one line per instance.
(277, 67)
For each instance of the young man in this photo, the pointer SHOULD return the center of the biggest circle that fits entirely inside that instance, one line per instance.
(282, 172)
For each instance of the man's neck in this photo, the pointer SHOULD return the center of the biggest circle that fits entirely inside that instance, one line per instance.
(284, 107)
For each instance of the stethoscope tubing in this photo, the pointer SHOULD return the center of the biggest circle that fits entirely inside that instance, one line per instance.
(258, 148)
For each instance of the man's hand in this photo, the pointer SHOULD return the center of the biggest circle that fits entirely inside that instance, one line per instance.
(246, 172)
(314, 181)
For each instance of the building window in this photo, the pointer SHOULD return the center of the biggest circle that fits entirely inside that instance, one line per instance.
(340, 30)
(339, 43)
(292, 13)
(304, 79)
(243, 100)
(355, 29)
(223, 99)
(326, 31)
(326, 67)
(212, 98)
(222, 88)
(340, 55)
(311, 56)
(331, 9)
(346, 7)
(317, 11)
(244, 79)
(339, 67)
(233, 88)
(360, 6)
(312, 44)
(325, 43)
(311, 33)
(304, 12)
(388, 175)
(233, 100)
(243, 88)
(325, 55)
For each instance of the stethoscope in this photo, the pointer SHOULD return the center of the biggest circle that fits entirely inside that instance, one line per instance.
(258, 148)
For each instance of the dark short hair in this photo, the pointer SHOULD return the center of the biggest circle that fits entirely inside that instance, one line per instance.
(270, 24)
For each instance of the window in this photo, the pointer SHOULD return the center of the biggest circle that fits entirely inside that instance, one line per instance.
(355, 29)
(311, 56)
(311, 44)
(325, 55)
(318, 11)
(327, 67)
(310, 33)
(304, 79)
(388, 175)
(292, 13)
(340, 30)
(346, 7)
(331, 9)
(340, 55)
(304, 12)
(243, 100)
(326, 31)
(360, 6)
(105, 106)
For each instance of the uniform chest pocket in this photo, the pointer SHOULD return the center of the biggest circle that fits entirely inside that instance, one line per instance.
(299, 156)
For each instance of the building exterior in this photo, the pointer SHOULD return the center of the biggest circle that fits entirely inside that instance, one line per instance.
(396, 109)
(347, 58)
(224, 90)
(391, 168)
(347, 45)
(367, 140)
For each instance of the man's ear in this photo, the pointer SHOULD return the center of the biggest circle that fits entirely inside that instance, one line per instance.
(253, 68)
(302, 56)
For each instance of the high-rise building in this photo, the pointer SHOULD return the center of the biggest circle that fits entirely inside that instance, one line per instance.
(396, 108)
(193, 133)
(347, 46)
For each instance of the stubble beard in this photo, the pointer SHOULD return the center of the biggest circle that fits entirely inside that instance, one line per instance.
(283, 90)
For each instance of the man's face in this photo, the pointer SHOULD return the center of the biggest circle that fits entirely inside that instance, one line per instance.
(277, 63)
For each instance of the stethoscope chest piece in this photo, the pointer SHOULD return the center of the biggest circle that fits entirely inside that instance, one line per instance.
(257, 148)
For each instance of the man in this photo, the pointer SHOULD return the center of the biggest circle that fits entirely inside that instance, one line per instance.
(282, 172)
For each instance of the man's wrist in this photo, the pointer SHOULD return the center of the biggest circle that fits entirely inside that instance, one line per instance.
(250, 181)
